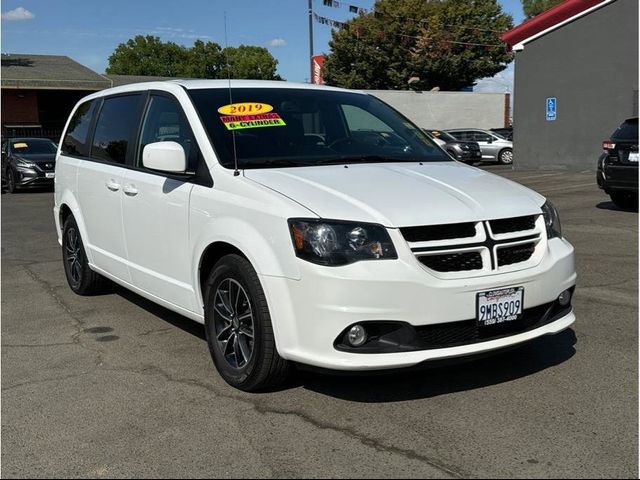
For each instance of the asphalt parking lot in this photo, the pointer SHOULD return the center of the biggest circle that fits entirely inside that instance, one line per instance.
(114, 386)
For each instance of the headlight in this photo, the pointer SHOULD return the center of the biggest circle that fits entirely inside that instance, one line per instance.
(21, 162)
(333, 243)
(551, 220)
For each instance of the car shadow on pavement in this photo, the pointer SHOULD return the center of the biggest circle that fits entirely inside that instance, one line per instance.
(528, 359)
(614, 207)
(183, 323)
(424, 381)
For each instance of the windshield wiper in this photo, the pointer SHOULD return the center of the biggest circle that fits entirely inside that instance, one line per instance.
(274, 162)
(361, 159)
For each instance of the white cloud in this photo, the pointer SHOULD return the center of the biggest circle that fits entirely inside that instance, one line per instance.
(19, 13)
(277, 42)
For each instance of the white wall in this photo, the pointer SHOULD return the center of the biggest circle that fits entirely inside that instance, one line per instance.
(442, 110)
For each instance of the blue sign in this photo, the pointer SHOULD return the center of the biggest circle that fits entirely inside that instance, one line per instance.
(552, 105)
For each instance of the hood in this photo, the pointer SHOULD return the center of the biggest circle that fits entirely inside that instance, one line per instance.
(38, 158)
(401, 195)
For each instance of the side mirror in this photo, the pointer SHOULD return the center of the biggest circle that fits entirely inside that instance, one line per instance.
(165, 157)
(490, 140)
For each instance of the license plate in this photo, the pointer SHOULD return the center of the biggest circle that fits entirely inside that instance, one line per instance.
(633, 156)
(499, 306)
(49, 175)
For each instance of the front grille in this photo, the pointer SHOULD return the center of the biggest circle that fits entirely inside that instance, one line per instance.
(453, 262)
(439, 232)
(468, 331)
(515, 254)
(516, 224)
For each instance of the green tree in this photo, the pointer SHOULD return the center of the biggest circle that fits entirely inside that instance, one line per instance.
(204, 60)
(250, 62)
(534, 7)
(149, 56)
(414, 38)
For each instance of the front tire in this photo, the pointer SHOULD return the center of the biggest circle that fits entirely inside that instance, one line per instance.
(11, 181)
(238, 327)
(505, 157)
(625, 200)
(81, 279)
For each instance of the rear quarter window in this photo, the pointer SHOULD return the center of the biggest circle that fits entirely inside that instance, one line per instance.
(76, 139)
(627, 132)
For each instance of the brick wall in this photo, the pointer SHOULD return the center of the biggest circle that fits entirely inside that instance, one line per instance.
(19, 107)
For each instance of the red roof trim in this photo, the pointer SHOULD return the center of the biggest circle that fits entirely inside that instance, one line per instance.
(547, 19)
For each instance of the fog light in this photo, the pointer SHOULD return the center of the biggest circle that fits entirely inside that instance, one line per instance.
(564, 298)
(357, 335)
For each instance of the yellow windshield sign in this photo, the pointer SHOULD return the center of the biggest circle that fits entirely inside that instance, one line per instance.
(20, 145)
(245, 108)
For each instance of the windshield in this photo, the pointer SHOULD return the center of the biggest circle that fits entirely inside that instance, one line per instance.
(33, 147)
(443, 136)
(286, 127)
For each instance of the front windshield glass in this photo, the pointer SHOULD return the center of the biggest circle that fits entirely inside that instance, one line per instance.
(444, 136)
(287, 127)
(33, 147)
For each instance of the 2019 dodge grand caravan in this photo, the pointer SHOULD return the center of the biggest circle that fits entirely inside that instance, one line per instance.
(303, 224)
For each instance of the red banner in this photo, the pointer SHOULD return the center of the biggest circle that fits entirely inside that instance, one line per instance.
(318, 62)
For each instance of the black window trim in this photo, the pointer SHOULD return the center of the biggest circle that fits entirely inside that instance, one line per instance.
(202, 177)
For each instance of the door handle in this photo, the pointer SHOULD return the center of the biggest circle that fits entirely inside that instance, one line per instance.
(113, 185)
(130, 190)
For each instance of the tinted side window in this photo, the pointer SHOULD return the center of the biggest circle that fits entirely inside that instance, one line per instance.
(115, 128)
(481, 137)
(165, 122)
(462, 136)
(75, 141)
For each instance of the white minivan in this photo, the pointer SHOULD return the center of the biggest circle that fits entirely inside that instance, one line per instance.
(303, 225)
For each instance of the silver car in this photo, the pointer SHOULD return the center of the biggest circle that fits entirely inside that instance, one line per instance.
(494, 147)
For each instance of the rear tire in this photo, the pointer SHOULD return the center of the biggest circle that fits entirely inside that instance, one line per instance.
(238, 327)
(81, 279)
(625, 200)
(505, 157)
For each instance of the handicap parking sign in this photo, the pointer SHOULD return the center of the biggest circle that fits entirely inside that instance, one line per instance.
(552, 104)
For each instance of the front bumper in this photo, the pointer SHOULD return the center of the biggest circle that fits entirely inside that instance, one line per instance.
(31, 177)
(311, 313)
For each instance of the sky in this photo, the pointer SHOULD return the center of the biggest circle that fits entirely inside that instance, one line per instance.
(88, 31)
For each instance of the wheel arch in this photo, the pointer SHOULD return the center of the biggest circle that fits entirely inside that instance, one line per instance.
(270, 254)
(69, 206)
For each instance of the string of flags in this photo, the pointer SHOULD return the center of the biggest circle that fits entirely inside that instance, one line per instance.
(339, 4)
(328, 21)
(381, 14)
(443, 42)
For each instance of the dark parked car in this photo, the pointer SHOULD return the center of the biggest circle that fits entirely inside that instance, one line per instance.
(506, 132)
(618, 165)
(468, 152)
(28, 162)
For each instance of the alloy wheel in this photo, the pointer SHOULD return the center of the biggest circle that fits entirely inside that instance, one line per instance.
(233, 322)
(507, 156)
(73, 255)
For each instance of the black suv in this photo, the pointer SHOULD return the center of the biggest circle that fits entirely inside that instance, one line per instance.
(467, 152)
(618, 165)
(28, 162)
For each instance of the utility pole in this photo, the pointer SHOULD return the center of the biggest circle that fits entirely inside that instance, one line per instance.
(311, 40)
